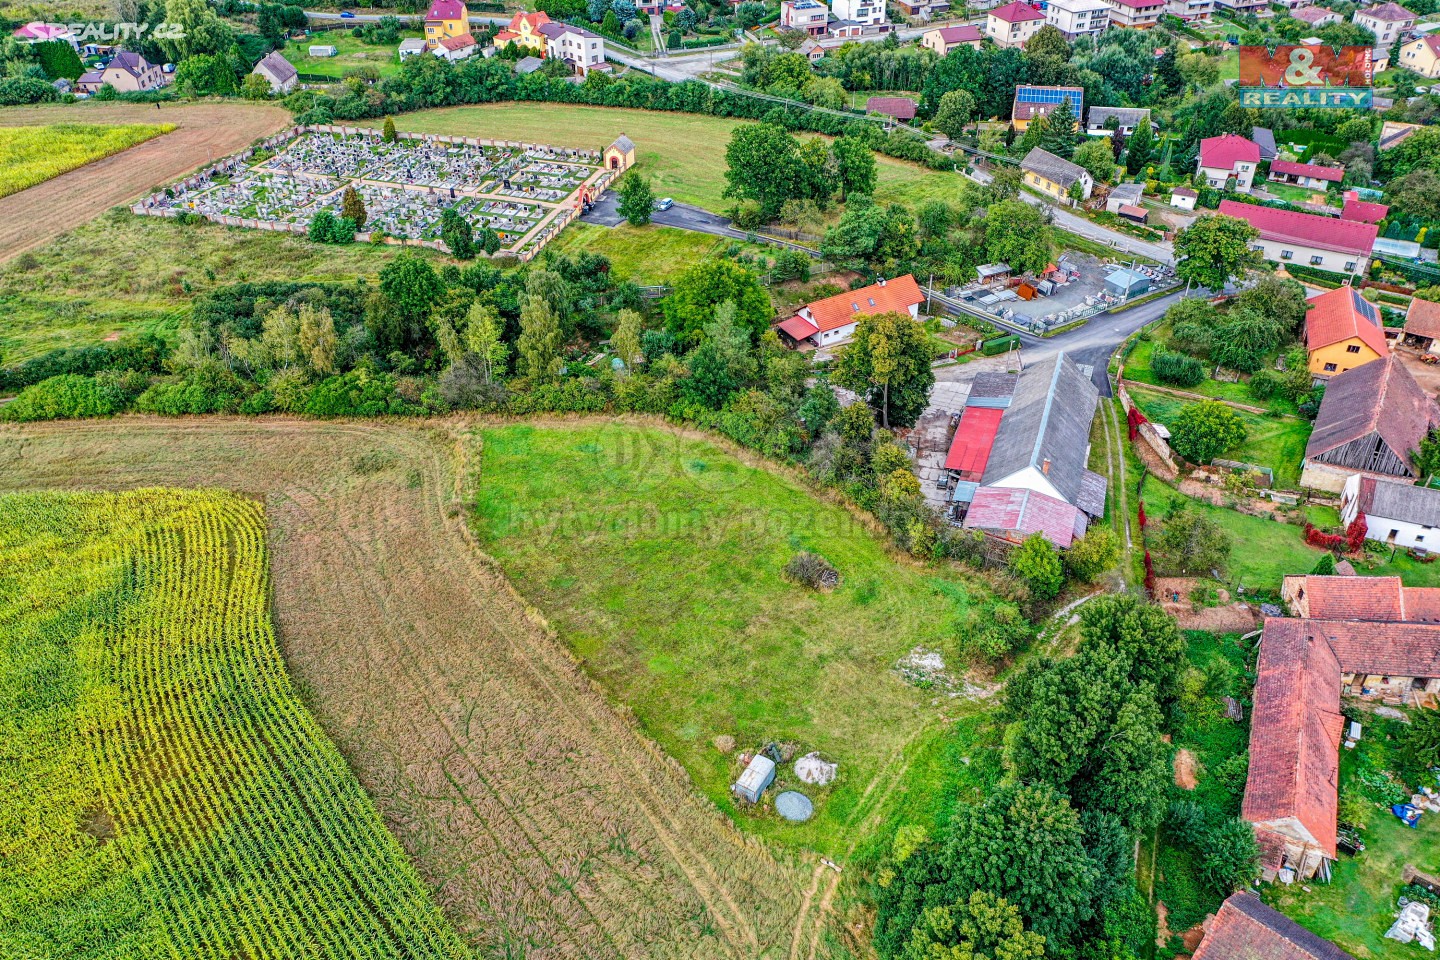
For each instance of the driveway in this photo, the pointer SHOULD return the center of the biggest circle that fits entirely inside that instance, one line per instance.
(605, 212)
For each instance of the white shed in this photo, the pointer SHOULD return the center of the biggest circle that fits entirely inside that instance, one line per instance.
(323, 50)
(412, 47)
(757, 776)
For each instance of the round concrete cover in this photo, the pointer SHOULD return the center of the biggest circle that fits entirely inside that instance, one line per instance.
(794, 806)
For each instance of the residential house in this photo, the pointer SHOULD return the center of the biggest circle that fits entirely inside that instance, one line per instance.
(1312, 176)
(1264, 138)
(1316, 17)
(1127, 120)
(844, 29)
(1031, 464)
(944, 39)
(1422, 325)
(523, 30)
(1124, 195)
(1138, 14)
(277, 71)
(812, 50)
(1032, 101)
(866, 13)
(897, 108)
(446, 18)
(1340, 246)
(127, 72)
(409, 47)
(1342, 331)
(827, 322)
(1422, 55)
(1244, 927)
(1388, 21)
(1239, 7)
(1078, 18)
(583, 50)
(1013, 24)
(456, 48)
(1362, 211)
(1229, 156)
(1055, 176)
(1397, 514)
(922, 9)
(1371, 420)
(808, 16)
(1190, 10)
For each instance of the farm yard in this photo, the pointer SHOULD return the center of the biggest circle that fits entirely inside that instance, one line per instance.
(658, 557)
(405, 185)
(31, 155)
(135, 628)
(543, 821)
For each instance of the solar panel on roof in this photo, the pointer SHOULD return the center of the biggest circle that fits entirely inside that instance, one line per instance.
(1049, 95)
(1365, 308)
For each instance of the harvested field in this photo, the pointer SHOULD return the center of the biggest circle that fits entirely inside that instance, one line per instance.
(203, 132)
(544, 822)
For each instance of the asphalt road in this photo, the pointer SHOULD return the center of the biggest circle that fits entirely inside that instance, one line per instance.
(605, 212)
(1094, 343)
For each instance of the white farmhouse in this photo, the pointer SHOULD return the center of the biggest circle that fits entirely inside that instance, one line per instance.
(1397, 514)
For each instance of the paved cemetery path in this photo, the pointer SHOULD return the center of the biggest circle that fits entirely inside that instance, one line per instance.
(203, 132)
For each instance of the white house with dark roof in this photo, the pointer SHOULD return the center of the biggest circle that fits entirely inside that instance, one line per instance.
(277, 71)
(1388, 21)
(1127, 120)
(1397, 514)
(582, 49)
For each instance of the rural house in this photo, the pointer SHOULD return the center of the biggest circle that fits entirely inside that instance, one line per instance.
(826, 322)
(1190, 10)
(1422, 55)
(446, 18)
(1055, 175)
(1136, 14)
(1013, 24)
(1229, 156)
(523, 30)
(583, 50)
(1422, 324)
(944, 39)
(456, 48)
(277, 71)
(1340, 246)
(1401, 514)
(1388, 22)
(896, 108)
(1369, 422)
(858, 13)
(1078, 18)
(1019, 455)
(126, 72)
(1032, 101)
(1342, 331)
(810, 16)
(1309, 175)
(1127, 120)
(1245, 928)
(1316, 17)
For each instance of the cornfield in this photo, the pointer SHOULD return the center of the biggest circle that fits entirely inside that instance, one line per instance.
(163, 790)
(31, 155)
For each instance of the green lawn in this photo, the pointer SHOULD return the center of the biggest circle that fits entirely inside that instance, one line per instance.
(123, 273)
(1274, 442)
(1294, 194)
(649, 255)
(658, 559)
(683, 153)
(350, 54)
(1137, 368)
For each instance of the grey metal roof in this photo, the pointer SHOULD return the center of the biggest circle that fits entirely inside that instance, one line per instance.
(1128, 192)
(1128, 116)
(1404, 501)
(1265, 138)
(528, 64)
(1048, 419)
(277, 66)
(992, 385)
(1052, 168)
(623, 143)
(1092, 494)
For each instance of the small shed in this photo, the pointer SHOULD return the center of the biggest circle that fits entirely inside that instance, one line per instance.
(1183, 198)
(1133, 212)
(757, 776)
(990, 272)
(322, 50)
(620, 155)
(412, 47)
(1126, 283)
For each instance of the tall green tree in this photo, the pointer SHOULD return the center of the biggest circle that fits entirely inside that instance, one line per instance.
(412, 288)
(1058, 136)
(484, 332)
(637, 199)
(352, 206)
(457, 234)
(763, 164)
(540, 340)
(693, 296)
(1202, 431)
(956, 112)
(985, 927)
(888, 362)
(1191, 543)
(1016, 233)
(1097, 157)
(1214, 250)
(1139, 148)
(854, 166)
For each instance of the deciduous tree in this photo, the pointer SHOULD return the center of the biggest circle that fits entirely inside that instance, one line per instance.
(637, 199)
(1214, 249)
(888, 362)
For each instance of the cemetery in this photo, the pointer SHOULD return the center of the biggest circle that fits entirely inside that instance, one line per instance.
(524, 192)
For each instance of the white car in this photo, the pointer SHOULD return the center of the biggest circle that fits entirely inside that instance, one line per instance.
(664, 203)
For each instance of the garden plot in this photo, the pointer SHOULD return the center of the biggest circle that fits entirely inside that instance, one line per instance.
(522, 192)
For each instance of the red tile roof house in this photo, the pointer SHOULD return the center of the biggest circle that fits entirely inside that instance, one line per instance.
(1013, 24)
(1316, 17)
(1229, 156)
(899, 108)
(1422, 325)
(1310, 175)
(831, 321)
(1362, 211)
(1370, 421)
(1342, 332)
(1340, 246)
(1245, 929)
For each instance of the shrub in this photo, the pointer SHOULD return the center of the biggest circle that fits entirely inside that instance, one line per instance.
(66, 396)
(209, 388)
(1204, 430)
(811, 570)
(1092, 554)
(1037, 563)
(358, 393)
(1178, 369)
(791, 265)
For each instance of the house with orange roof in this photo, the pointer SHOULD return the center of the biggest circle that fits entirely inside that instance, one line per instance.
(524, 30)
(1342, 331)
(446, 18)
(824, 323)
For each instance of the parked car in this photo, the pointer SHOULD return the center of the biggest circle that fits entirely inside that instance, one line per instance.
(664, 203)
(347, 15)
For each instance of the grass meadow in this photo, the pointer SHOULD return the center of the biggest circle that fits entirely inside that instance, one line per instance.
(31, 155)
(649, 255)
(1272, 441)
(350, 53)
(167, 792)
(658, 558)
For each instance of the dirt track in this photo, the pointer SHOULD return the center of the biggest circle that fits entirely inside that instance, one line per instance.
(203, 132)
(546, 823)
